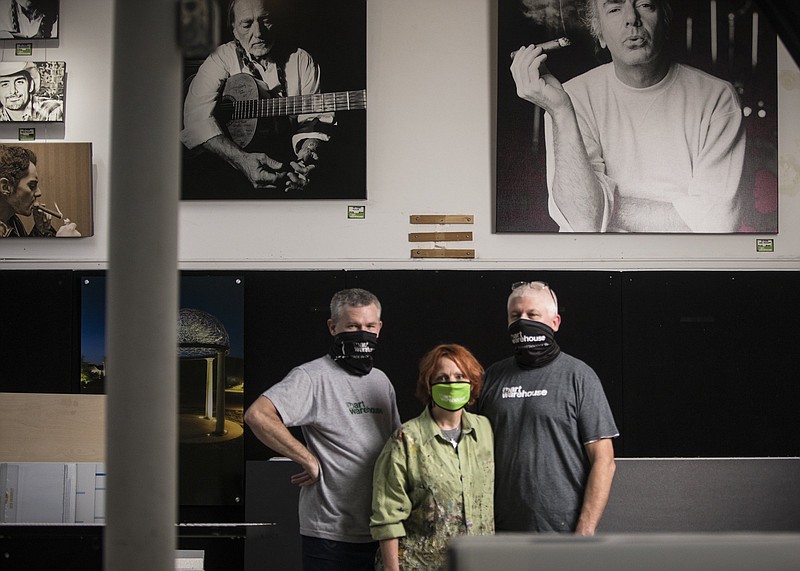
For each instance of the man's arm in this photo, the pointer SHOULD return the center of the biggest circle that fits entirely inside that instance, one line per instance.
(201, 127)
(575, 189)
(598, 485)
(643, 215)
(264, 420)
(713, 201)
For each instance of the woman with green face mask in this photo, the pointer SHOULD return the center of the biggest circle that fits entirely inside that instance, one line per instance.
(434, 478)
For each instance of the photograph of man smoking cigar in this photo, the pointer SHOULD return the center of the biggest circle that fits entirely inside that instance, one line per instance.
(22, 195)
(644, 142)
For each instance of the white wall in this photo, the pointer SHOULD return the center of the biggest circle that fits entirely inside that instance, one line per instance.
(430, 141)
(85, 45)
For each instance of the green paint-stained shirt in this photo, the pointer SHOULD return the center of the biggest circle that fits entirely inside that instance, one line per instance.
(426, 491)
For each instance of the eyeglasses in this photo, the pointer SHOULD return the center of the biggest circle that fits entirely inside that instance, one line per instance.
(538, 285)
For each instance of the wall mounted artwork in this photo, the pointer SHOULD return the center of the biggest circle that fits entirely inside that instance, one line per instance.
(32, 91)
(35, 19)
(46, 190)
(278, 110)
(210, 353)
(656, 117)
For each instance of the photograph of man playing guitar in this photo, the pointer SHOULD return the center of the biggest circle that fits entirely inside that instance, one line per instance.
(256, 103)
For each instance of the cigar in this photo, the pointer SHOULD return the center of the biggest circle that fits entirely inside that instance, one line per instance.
(550, 46)
(48, 211)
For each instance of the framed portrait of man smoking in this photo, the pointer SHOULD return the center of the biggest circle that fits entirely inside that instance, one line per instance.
(278, 109)
(46, 190)
(636, 117)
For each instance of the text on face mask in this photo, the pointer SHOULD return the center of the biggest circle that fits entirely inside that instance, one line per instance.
(522, 338)
(518, 393)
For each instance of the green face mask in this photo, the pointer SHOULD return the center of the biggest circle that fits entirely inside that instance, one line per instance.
(450, 396)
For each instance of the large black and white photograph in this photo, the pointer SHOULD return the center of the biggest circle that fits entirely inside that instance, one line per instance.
(35, 19)
(278, 109)
(633, 116)
(32, 91)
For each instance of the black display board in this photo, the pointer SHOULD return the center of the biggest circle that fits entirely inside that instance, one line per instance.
(710, 364)
(423, 308)
(39, 332)
(694, 363)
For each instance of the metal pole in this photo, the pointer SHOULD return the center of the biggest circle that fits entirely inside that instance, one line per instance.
(220, 430)
(142, 310)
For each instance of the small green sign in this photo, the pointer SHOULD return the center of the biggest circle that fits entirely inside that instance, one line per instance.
(356, 212)
(765, 245)
(24, 49)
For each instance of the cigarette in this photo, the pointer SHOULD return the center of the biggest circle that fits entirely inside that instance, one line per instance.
(550, 46)
(48, 211)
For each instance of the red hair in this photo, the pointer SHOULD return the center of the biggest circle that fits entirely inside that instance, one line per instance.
(461, 356)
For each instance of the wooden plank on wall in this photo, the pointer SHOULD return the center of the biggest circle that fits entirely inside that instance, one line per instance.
(441, 219)
(442, 253)
(440, 236)
(43, 427)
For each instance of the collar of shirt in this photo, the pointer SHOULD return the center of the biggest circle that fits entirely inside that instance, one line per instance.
(430, 430)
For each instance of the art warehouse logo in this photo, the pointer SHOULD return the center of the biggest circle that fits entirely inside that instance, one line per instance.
(522, 338)
(518, 393)
(361, 408)
(517, 338)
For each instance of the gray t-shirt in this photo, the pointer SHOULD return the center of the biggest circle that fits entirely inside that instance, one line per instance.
(346, 420)
(542, 418)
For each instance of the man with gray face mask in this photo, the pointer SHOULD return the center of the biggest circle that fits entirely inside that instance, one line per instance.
(554, 460)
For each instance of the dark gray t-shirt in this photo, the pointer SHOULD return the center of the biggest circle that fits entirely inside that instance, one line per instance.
(542, 418)
(346, 420)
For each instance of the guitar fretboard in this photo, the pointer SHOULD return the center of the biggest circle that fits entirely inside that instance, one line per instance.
(300, 104)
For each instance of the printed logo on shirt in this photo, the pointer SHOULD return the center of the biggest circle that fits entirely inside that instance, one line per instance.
(518, 393)
(361, 408)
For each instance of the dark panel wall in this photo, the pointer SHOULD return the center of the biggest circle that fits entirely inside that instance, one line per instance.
(284, 326)
(710, 363)
(39, 332)
(423, 308)
(693, 363)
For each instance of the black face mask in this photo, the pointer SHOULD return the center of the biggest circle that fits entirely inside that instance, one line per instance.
(534, 343)
(352, 350)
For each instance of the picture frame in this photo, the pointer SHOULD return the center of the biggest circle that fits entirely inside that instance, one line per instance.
(32, 91)
(65, 182)
(340, 54)
(722, 38)
(35, 19)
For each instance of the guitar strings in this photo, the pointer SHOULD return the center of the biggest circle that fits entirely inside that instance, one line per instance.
(300, 104)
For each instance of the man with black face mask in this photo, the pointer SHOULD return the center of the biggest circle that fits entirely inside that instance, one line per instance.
(347, 411)
(554, 460)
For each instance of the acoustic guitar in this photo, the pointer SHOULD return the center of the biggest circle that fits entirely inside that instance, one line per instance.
(248, 108)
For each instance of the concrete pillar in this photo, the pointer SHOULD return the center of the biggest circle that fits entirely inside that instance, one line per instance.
(142, 310)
